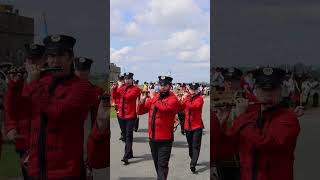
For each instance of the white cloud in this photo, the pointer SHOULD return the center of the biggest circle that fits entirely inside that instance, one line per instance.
(169, 12)
(187, 39)
(119, 55)
(199, 55)
(163, 35)
(132, 29)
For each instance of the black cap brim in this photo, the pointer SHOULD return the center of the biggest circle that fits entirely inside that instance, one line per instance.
(56, 51)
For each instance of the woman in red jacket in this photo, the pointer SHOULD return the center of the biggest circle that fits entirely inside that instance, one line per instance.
(192, 105)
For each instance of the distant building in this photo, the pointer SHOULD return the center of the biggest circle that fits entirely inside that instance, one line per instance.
(15, 32)
(114, 72)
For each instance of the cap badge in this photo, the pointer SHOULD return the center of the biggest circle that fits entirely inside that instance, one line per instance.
(163, 77)
(82, 60)
(267, 71)
(33, 47)
(55, 38)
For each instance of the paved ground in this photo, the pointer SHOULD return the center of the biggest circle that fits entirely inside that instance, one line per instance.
(307, 155)
(142, 167)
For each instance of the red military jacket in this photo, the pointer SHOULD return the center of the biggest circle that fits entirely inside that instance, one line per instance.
(56, 144)
(98, 148)
(161, 116)
(193, 112)
(15, 117)
(266, 153)
(115, 98)
(127, 101)
(94, 108)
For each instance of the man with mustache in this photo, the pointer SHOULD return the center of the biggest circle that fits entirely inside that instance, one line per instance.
(162, 108)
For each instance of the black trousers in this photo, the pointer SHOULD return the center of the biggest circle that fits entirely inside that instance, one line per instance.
(128, 126)
(181, 116)
(229, 173)
(136, 125)
(121, 125)
(194, 143)
(23, 170)
(161, 152)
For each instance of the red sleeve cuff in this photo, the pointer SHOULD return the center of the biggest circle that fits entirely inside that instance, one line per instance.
(99, 136)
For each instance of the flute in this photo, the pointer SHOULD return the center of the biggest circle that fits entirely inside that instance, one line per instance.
(234, 104)
(42, 70)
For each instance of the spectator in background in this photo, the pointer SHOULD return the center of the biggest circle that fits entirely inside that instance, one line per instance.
(156, 86)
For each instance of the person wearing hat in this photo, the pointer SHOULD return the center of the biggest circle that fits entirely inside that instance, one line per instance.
(265, 137)
(136, 125)
(218, 79)
(228, 166)
(192, 105)
(17, 125)
(127, 95)
(58, 106)
(162, 108)
(115, 103)
(82, 68)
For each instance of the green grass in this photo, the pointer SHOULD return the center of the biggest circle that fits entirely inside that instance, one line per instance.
(9, 162)
(113, 113)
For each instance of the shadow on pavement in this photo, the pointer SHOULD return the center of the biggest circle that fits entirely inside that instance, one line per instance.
(137, 178)
(145, 157)
(140, 139)
(205, 166)
(180, 144)
(142, 130)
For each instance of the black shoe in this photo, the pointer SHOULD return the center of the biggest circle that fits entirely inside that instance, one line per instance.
(136, 130)
(193, 169)
(126, 162)
(122, 139)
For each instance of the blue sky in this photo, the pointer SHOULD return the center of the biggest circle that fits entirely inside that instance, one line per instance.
(154, 37)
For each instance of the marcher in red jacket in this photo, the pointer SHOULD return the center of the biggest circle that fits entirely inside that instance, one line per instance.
(82, 70)
(162, 108)
(17, 124)
(115, 103)
(192, 105)
(127, 112)
(136, 125)
(265, 138)
(59, 103)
